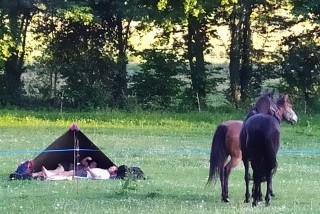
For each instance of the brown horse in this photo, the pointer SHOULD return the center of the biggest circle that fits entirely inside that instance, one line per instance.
(225, 151)
(260, 142)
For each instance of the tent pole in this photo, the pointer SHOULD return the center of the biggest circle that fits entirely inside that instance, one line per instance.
(74, 154)
(75, 157)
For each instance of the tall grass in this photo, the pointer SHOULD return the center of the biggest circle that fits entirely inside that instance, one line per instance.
(172, 149)
(112, 119)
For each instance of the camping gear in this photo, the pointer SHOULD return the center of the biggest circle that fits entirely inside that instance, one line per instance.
(23, 171)
(71, 147)
(133, 172)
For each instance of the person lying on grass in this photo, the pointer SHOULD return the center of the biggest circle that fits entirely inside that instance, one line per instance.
(93, 173)
(66, 166)
(83, 170)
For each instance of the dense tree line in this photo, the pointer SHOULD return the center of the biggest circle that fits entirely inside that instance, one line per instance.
(85, 51)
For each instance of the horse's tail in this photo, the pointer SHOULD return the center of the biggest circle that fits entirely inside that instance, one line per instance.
(243, 141)
(218, 152)
(271, 149)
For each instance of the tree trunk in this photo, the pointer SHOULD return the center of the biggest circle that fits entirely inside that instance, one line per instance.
(234, 55)
(13, 78)
(246, 68)
(196, 42)
(18, 30)
(120, 79)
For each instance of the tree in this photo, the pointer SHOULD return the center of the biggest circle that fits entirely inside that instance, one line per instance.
(18, 13)
(196, 39)
(249, 67)
(300, 68)
(309, 9)
(158, 85)
(190, 19)
(74, 28)
(115, 18)
(77, 53)
(240, 66)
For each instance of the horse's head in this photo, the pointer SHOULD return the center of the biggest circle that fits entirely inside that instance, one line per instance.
(264, 104)
(285, 110)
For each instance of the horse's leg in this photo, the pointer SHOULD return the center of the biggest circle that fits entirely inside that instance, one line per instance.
(222, 182)
(226, 172)
(259, 193)
(269, 188)
(259, 199)
(246, 179)
(256, 193)
(257, 179)
(257, 187)
(268, 193)
(234, 162)
(271, 191)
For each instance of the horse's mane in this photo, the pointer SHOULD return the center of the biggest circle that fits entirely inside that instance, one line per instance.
(263, 104)
(282, 100)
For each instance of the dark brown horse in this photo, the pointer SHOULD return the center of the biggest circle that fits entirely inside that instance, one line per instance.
(260, 142)
(225, 151)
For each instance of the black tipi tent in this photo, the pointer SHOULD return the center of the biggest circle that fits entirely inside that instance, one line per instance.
(70, 147)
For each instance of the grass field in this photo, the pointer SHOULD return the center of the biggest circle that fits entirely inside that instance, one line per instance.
(172, 149)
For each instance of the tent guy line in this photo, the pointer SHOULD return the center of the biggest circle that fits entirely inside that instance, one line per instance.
(153, 151)
(44, 151)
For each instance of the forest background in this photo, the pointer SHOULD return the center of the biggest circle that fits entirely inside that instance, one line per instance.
(157, 55)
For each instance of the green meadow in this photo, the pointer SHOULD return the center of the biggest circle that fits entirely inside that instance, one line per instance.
(172, 149)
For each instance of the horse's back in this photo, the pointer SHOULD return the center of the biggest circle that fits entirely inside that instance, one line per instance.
(234, 127)
(235, 123)
(262, 126)
(232, 137)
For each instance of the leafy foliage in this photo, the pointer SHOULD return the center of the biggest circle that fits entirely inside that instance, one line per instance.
(301, 66)
(88, 81)
(85, 47)
(76, 54)
(310, 9)
(157, 86)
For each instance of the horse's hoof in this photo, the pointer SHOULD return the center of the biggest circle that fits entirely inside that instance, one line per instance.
(267, 204)
(225, 200)
(254, 204)
(246, 200)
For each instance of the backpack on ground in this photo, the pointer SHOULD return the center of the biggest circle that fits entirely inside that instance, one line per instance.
(133, 172)
(136, 173)
(24, 171)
